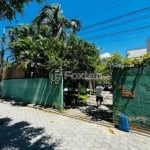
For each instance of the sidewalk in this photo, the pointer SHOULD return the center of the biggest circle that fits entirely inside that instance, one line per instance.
(101, 115)
(27, 128)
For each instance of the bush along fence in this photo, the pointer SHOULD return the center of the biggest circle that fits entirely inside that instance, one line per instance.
(131, 94)
(40, 91)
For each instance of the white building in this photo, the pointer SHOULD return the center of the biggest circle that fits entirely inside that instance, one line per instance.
(136, 53)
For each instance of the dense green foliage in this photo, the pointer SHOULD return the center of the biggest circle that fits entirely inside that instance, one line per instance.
(50, 43)
(116, 60)
(107, 64)
(9, 8)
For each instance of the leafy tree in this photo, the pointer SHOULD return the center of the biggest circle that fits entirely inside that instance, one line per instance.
(21, 42)
(107, 64)
(40, 51)
(127, 62)
(9, 8)
(74, 55)
(146, 56)
(114, 61)
(80, 55)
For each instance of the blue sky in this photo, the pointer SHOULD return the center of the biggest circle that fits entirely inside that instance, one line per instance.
(99, 21)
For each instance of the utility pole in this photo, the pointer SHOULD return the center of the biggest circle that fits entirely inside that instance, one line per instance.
(2, 52)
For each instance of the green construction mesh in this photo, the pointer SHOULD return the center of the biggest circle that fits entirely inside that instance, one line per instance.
(34, 90)
(137, 108)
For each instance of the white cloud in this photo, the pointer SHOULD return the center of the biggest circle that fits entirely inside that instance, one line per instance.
(105, 55)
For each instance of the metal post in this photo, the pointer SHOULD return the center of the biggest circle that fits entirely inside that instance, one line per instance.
(2, 52)
(90, 85)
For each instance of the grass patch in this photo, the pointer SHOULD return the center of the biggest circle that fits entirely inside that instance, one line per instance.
(83, 97)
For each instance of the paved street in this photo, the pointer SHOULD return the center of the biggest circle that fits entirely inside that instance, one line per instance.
(25, 128)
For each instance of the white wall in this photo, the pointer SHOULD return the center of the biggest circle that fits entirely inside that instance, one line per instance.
(136, 53)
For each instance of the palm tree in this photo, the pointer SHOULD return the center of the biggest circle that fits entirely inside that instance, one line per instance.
(51, 16)
(74, 25)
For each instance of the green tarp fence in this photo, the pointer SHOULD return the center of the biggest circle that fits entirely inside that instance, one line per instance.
(40, 91)
(137, 108)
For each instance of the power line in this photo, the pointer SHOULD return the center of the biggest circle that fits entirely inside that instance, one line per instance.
(80, 8)
(115, 18)
(90, 9)
(124, 38)
(116, 24)
(119, 32)
(84, 9)
(110, 7)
